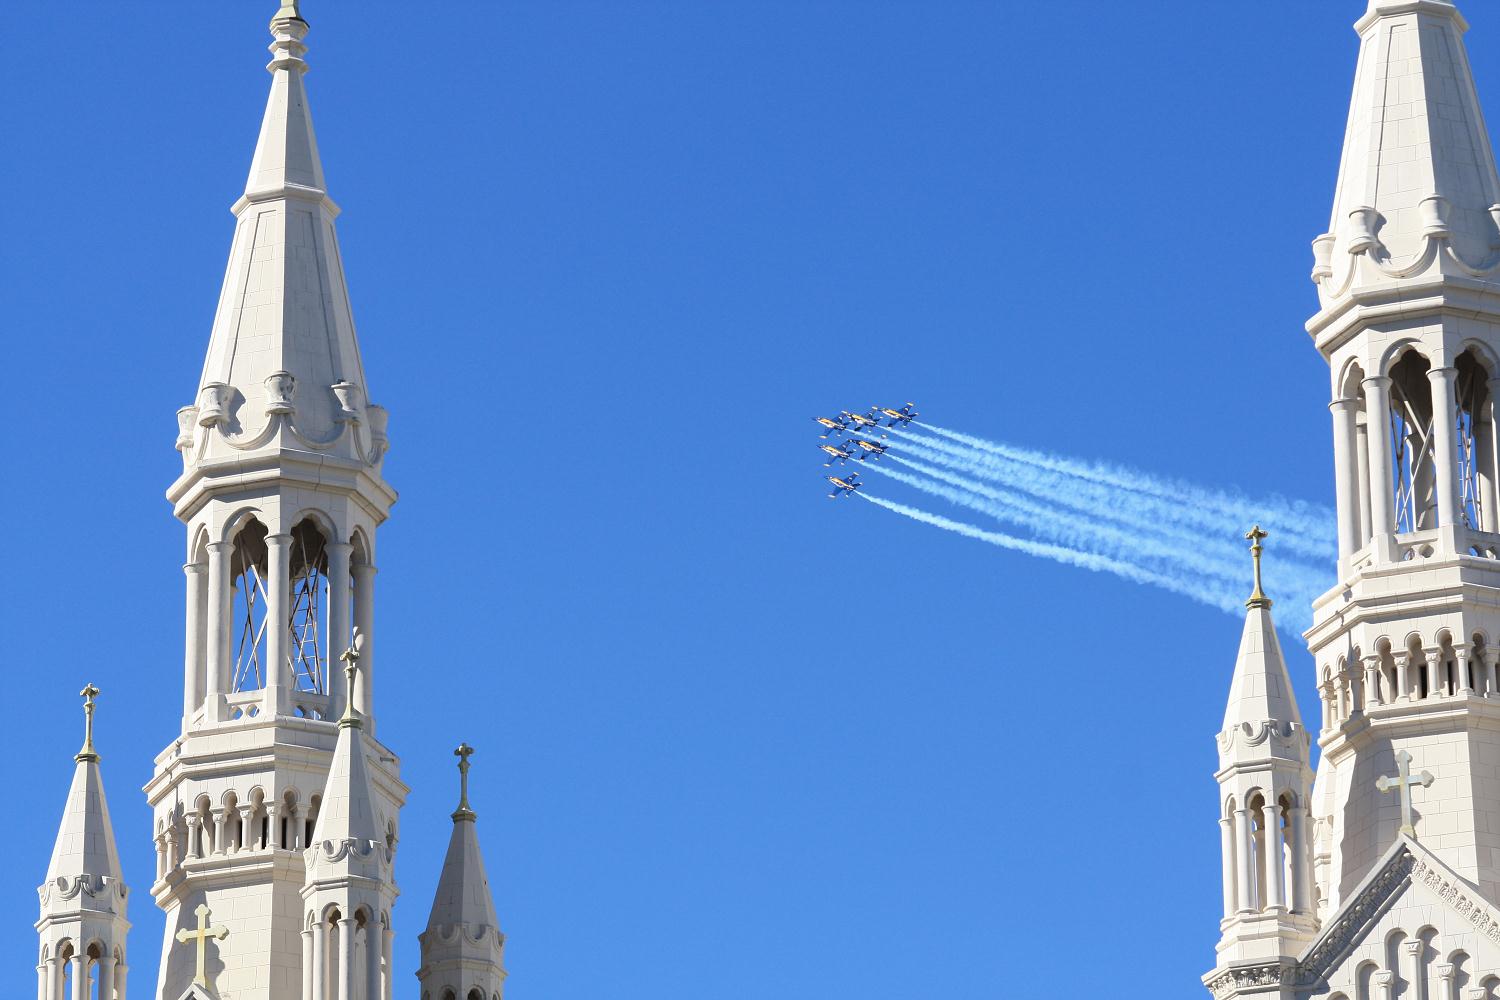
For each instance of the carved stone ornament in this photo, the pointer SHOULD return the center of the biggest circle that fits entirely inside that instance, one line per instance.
(187, 419)
(213, 403)
(350, 397)
(279, 388)
(1248, 976)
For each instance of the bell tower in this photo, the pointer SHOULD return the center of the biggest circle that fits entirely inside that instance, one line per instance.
(281, 494)
(1408, 280)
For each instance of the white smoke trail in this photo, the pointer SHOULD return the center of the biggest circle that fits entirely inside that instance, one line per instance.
(1140, 537)
(1068, 557)
(1300, 526)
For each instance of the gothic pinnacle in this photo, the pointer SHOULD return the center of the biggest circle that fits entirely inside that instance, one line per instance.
(1258, 598)
(88, 753)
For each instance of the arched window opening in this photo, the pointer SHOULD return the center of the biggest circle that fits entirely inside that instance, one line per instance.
(309, 609)
(312, 819)
(1475, 440)
(1258, 841)
(1411, 444)
(247, 569)
(474, 994)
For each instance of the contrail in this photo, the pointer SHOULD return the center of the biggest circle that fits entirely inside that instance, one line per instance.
(1217, 598)
(1139, 538)
(1300, 526)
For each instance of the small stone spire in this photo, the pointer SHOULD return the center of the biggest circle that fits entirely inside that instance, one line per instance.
(1261, 689)
(463, 945)
(84, 895)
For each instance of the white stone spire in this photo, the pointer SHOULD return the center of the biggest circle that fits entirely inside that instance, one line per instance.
(349, 887)
(1417, 192)
(1265, 785)
(82, 923)
(463, 947)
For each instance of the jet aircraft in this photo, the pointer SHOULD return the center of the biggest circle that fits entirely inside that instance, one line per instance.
(870, 419)
(835, 453)
(833, 425)
(903, 416)
(844, 487)
(871, 449)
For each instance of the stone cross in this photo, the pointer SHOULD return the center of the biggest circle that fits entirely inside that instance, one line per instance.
(1403, 783)
(463, 753)
(202, 934)
(88, 694)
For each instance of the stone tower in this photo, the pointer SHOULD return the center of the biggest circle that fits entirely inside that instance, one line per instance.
(82, 924)
(463, 949)
(281, 494)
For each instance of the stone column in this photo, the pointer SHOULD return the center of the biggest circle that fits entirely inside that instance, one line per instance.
(80, 975)
(309, 962)
(364, 620)
(192, 665)
(217, 638)
(1445, 990)
(388, 951)
(43, 971)
(194, 844)
(372, 959)
(346, 968)
(1492, 672)
(247, 827)
(338, 623)
(1301, 855)
(1226, 847)
(1378, 419)
(1375, 693)
(1341, 693)
(1275, 859)
(1403, 677)
(120, 970)
(1435, 686)
(1362, 476)
(1325, 692)
(1444, 447)
(319, 961)
(1246, 893)
(1412, 950)
(1346, 490)
(278, 624)
(1382, 981)
(273, 825)
(1461, 664)
(59, 977)
(221, 840)
(106, 974)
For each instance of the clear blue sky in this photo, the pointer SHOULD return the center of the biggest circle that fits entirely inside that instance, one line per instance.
(606, 260)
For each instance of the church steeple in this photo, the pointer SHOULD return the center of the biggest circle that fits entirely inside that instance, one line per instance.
(463, 947)
(282, 494)
(82, 924)
(1264, 788)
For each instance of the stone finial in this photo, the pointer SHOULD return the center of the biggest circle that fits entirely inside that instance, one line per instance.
(350, 656)
(463, 812)
(1258, 598)
(88, 753)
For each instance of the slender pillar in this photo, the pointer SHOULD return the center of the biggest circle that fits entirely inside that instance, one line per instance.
(1341, 693)
(1403, 677)
(373, 949)
(1412, 950)
(120, 970)
(1301, 852)
(1345, 488)
(388, 951)
(319, 989)
(1226, 846)
(1326, 697)
(1445, 448)
(221, 839)
(278, 624)
(273, 825)
(192, 666)
(309, 963)
(43, 971)
(364, 620)
(1373, 688)
(60, 978)
(1362, 475)
(1378, 418)
(1445, 989)
(247, 828)
(1382, 982)
(1275, 861)
(1246, 861)
(346, 959)
(1435, 687)
(106, 974)
(80, 976)
(218, 640)
(338, 623)
(1492, 456)
(1461, 664)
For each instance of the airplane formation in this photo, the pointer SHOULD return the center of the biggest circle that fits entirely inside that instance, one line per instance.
(851, 427)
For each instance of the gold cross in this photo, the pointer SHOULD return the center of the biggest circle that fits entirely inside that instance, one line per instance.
(202, 934)
(463, 753)
(1258, 598)
(88, 694)
(1403, 782)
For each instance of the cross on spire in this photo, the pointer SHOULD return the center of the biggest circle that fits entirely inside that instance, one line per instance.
(350, 656)
(463, 753)
(1403, 783)
(88, 753)
(1255, 536)
(202, 934)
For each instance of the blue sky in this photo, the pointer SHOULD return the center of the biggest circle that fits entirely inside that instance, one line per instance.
(606, 260)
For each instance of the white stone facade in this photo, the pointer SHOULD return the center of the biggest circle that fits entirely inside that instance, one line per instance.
(276, 808)
(1407, 640)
